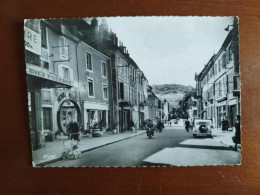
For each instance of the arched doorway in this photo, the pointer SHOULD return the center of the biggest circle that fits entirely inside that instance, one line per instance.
(68, 109)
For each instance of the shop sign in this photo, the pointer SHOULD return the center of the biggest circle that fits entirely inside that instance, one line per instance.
(32, 41)
(67, 95)
(43, 73)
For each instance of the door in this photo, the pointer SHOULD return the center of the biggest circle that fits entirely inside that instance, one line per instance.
(47, 118)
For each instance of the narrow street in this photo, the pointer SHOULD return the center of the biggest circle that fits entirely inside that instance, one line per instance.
(174, 146)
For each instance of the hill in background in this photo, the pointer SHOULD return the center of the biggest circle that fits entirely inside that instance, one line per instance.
(173, 93)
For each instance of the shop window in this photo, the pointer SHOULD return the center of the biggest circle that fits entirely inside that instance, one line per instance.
(90, 87)
(105, 93)
(89, 62)
(47, 118)
(104, 69)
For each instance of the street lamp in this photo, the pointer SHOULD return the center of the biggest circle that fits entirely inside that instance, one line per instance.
(227, 28)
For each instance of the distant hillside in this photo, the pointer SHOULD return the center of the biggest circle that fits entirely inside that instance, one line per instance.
(173, 93)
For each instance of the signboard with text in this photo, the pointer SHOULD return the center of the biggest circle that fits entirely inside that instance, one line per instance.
(32, 41)
(45, 74)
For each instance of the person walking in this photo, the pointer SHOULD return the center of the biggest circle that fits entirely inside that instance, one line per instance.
(187, 125)
(237, 137)
(73, 131)
(225, 125)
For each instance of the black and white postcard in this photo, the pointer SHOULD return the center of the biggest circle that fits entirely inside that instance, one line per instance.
(133, 91)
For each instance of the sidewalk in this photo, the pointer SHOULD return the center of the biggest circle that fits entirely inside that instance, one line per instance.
(53, 150)
(224, 137)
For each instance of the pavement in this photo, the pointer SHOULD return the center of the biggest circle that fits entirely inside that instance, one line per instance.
(52, 151)
(217, 134)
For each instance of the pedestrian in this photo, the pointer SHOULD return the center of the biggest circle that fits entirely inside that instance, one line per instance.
(187, 125)
(132, 126)
(170, 124)
(73, 130)
(225, 125)
(237, 137)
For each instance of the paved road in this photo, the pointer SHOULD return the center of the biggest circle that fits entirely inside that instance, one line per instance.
(174, 146)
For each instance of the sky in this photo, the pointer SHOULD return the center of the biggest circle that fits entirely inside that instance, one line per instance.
(171, 49)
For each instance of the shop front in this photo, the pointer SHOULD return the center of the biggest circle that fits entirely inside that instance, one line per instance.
(95, 114)
(41, 83)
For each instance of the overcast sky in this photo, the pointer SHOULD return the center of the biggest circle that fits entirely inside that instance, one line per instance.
(171, 49)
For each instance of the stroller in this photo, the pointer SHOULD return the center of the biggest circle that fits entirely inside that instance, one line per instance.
(71, 147)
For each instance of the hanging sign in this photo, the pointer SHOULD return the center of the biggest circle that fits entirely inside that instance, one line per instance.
(32, 41)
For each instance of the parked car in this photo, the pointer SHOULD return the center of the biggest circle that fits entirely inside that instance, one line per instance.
(202, 127)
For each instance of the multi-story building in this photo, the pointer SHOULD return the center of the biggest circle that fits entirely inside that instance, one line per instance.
(51, 66)
(153, 105)
(217, 86)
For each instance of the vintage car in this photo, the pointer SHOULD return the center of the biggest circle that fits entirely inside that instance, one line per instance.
(202, 127)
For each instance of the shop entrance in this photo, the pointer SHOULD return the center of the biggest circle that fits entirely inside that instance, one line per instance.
(68, 109)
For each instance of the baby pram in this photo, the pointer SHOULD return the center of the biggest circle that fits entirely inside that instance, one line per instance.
(71, 147)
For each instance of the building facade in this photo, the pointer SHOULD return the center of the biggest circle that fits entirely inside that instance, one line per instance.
(50, 66)
(217, 85)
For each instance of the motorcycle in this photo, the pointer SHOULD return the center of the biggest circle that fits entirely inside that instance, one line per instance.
(149, 132)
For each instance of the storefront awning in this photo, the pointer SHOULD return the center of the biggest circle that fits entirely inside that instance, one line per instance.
(48, 79)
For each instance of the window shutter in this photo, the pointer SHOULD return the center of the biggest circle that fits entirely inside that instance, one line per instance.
(71, 74)
(63, 47)
(227, 55)
(60, 73)
(66, 48)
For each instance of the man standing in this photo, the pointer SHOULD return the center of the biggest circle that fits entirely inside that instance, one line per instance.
(187, 125)
(237, 137)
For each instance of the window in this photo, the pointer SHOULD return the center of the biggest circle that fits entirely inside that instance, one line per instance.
(220, 88)
(103, 69)
(121, 90)
(139, 96)
(46, 96)
(216, 69)
(90, 87)
(63, 47)
(230, 52)
(105, 93)
(65, 73)
(89, 62)
(47, 116)
(219, 66)
(45, 65)
(224, 61)
(44, 37)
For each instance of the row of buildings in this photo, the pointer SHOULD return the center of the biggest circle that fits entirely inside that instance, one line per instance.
(218, 84)
(80, 70)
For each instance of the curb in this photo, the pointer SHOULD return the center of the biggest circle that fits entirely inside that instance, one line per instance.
(83, 151)
(222, 142)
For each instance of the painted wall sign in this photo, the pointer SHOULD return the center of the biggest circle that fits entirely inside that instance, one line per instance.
(43, 73)
(32, 41)
(67, 95)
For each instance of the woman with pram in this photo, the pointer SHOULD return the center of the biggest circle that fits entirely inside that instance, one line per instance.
(73, 130)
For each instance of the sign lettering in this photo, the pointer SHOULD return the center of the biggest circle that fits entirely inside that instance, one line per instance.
(42, 73)
(32, 41)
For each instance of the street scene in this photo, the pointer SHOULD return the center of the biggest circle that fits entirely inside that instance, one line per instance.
(133, 91)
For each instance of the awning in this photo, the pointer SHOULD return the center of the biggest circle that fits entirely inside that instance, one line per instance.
(48, 79)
